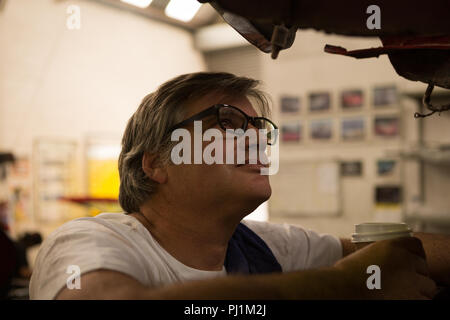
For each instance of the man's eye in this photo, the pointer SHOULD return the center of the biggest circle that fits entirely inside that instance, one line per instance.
(226, 123)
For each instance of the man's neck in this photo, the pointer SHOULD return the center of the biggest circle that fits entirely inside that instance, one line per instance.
(200, 245)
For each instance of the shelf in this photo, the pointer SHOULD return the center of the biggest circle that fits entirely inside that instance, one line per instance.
(430, 155)
(436, 219)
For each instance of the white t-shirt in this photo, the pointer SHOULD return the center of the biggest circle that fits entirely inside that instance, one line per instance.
(121, 243)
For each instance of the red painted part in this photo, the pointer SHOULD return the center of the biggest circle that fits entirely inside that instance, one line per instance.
(419, 58)
(85, 200)
(394, 44)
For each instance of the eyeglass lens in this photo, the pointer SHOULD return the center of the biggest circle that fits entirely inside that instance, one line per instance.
(230, 118)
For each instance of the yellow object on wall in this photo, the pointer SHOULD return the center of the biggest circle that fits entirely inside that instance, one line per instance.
(103, 178)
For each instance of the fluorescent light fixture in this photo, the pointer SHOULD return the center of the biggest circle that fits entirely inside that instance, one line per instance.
(138, 3)
(183, 10)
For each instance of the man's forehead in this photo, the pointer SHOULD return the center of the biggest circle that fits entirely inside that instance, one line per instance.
(205, 102)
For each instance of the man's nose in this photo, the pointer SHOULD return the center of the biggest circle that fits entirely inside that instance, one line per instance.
(261, 139)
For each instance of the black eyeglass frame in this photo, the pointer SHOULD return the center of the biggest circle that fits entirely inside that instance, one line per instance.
(215, 110)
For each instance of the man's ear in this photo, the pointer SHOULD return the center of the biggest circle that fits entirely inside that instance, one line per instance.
(153, 168)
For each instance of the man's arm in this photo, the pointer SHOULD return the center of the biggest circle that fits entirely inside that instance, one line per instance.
(313, 284)
(401, 259)
(437, 250)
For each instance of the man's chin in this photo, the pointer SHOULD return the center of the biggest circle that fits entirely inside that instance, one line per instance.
(256, 197)
(250, 187)
(257, 186)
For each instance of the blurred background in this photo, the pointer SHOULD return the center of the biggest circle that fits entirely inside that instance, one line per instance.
(73, 72)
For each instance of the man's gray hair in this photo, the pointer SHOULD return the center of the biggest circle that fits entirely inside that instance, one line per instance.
(147, 130)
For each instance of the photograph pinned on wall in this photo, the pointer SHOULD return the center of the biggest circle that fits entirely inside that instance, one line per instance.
(386, 167)
(385, 96)
(291, 132)
(321, 129)
(319, 101)
(290, 104)
(353, 129)
(21, 187)
(388, 195)
(352, 99)
(21, 169)
(351, 169)
(386, 126)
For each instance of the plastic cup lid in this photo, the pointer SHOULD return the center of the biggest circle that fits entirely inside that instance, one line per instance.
(376, 231)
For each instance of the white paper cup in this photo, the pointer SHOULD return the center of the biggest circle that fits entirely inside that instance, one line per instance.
(366, 233)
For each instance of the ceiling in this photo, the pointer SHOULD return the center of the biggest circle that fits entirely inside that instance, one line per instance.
(205, 16)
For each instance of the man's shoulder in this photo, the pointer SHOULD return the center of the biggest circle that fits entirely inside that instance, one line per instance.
(275, 234)
(104, 222)
(105, 218)
(105, 241)
(295, 247)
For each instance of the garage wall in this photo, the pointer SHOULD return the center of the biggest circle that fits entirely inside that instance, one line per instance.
(60, 82)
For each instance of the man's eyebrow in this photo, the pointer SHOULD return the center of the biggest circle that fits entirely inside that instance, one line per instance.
(210, 121)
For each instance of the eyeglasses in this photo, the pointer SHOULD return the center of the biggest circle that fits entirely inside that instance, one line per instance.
(230, 117)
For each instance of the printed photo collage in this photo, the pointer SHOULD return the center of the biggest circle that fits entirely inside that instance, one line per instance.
(314, 118)
(387, 169)
(387, 186)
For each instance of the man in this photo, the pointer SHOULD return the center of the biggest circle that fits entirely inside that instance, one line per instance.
(182, 236)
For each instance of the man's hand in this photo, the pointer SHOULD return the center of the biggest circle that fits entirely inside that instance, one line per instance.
(404, 271)
(437, 248)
